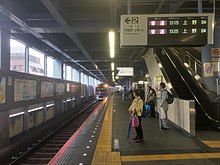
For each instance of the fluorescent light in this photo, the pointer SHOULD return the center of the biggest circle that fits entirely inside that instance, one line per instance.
(113, 66)
(49, 105)
(35, 109)
(16, 114)
(68, 100)
(112, 43)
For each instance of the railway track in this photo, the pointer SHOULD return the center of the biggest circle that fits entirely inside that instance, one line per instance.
(45, 149)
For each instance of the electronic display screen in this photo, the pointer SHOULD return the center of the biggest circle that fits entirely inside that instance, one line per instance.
(177, 31)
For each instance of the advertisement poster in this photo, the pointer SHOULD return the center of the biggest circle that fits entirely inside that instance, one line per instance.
(2, 90)
(208, 69)
(59, 89)
(25, 89)
(46, 89)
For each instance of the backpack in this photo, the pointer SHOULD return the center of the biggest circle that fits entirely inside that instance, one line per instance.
(170, 98)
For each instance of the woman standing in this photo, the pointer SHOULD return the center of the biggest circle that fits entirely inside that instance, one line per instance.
(136, 108)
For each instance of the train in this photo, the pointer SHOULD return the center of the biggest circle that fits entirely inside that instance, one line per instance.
(103, 90)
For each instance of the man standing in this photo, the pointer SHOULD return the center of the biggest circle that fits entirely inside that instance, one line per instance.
(163, 106)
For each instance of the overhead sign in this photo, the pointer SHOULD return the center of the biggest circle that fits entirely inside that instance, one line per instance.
(125, 71)
(167, 29)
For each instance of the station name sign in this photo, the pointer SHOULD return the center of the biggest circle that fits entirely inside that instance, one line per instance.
(195, 29)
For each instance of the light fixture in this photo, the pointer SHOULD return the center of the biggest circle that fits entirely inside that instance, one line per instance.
(112, 66)
(112, 43)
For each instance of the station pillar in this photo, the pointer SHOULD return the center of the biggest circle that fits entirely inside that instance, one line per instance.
(5, 50)
(206, 56)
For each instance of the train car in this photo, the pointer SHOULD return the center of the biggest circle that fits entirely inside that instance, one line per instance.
(101, 91)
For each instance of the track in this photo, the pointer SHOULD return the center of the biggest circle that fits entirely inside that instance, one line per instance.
(44, 150)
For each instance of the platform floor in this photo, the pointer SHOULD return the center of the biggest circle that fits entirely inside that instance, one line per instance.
(103, 141)
(171, 146)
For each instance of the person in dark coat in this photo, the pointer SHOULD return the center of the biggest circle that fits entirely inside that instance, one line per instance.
(151, 100)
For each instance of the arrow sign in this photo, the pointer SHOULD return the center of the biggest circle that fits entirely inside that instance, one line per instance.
(127, 20)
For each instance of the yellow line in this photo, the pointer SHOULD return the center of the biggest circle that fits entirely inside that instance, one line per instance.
(103, 154)
(212, 144)
(140, 158)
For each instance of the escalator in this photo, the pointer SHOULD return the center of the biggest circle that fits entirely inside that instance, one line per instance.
(187, 88)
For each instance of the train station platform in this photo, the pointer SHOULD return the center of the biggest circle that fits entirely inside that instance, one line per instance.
(102, 140)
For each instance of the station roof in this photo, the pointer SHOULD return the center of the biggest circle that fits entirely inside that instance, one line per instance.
(76, 31)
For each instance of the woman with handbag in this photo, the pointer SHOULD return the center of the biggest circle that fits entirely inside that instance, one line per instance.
(135, 110)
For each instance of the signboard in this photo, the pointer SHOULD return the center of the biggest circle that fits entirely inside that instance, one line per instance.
(215, 52)
(25, 89)
(167, 29)
(125, 71)
(46, 89)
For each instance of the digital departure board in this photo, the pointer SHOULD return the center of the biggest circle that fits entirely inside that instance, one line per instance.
(196, 29)
(177, 31)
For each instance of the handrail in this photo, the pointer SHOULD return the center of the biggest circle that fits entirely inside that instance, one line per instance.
(200, 92)
(196, 68)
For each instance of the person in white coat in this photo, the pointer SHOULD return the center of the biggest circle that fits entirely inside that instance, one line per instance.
(163, 106)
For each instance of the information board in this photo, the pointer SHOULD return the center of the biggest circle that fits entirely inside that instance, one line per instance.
(195, 29)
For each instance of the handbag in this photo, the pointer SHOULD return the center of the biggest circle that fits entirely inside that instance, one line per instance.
(134, 121)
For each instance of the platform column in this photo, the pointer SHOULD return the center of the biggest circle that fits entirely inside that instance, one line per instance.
(5, 50)
(210, 82)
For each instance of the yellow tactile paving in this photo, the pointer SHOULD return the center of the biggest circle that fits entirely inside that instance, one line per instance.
(212, 144)
(140, 158)
(103, 154)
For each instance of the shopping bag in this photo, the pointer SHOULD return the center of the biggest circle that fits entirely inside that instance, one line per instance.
(135, 121)
(162, 114)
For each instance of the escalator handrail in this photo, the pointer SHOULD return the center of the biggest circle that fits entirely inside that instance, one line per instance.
(196, 84)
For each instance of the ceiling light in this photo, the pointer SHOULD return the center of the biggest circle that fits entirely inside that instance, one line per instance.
(160, 65)
(112, 66)
(112, 43)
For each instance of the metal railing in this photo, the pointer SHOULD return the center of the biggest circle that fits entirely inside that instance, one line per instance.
(187, 58)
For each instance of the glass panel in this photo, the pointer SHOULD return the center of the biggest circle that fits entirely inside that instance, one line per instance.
(68, 73)
(82, 78)
(17, 56)
(36, 62)
(64, 71)
(75, 75)
(85, 79)
(50, 67)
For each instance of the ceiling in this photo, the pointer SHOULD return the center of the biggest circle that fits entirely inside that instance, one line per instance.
(76, 31)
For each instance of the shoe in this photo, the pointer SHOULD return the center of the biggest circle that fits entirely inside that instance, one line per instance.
(164, 128)
(136, 138)
(140, 140)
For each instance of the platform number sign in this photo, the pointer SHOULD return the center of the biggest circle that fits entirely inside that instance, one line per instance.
(132, 20)
(132, 30)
